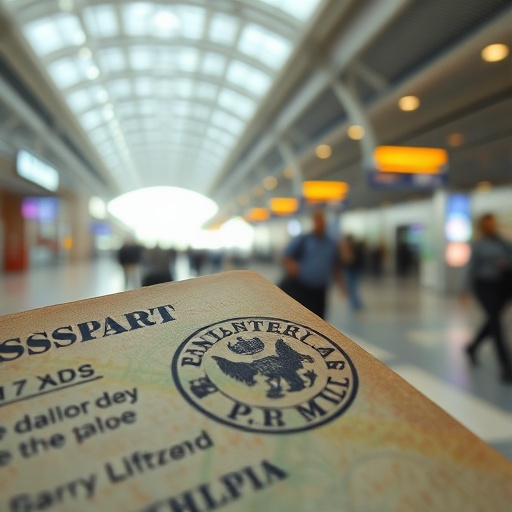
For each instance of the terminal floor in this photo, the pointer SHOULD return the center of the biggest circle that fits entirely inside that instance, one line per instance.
(418, 333)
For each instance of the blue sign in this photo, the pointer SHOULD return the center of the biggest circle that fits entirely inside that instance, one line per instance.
(392, 180)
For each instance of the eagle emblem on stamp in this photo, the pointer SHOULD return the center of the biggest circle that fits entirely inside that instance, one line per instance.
(266, 375)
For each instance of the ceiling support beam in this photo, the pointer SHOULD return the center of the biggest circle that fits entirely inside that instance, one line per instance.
(347, 96)
(367, 25)
(291, 161)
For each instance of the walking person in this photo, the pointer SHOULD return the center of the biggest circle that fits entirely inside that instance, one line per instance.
(352, 257)
(129, 257)
(488, 276)
(312, 262)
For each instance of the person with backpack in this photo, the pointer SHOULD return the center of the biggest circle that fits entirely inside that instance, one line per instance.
(489, 277)
(311, 262)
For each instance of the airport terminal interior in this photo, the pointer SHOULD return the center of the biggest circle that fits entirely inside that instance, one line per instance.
(179, 123)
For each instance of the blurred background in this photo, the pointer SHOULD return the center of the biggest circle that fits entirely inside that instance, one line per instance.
(197, 134)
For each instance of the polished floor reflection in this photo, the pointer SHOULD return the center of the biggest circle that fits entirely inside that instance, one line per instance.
(416, 332)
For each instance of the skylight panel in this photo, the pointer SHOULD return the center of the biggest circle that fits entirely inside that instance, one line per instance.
(120, 88)
(91, 119)
(80, 100)
(241, 105)
(131, 128)
(164, 59)
(143, 86)
(192, 21)
(149, 124)
(264, 45)
(183, 87)
(211, 147)
(164, 87)
(187, 60)
(111, 60)
(248, 77)
(181, 108)
(220, 136)
(301, 10)
(200, 112)
(126, 109)
(99, 135)
(223, 29)
(101, 21)
(206, 91)
(47, 35)
(165, 21)
(140, 58)
(66, 73)
(213, 64)
(230, 123)
(148, 108)
(136, 18)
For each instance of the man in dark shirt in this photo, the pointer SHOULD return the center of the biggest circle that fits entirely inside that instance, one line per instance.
(491, 259)
(312, 260)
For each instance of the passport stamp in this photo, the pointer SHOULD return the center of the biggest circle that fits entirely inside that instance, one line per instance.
(266, 375)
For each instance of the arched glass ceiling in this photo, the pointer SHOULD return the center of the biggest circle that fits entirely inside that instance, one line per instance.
(164, 89)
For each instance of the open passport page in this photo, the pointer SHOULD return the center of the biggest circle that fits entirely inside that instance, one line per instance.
(221, 393)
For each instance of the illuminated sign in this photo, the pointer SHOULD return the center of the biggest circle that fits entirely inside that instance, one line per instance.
(32, 169)
(457, 230)
(457, 227)
(44, 209)
(283, 205)
(324, 191)
(410, 160)
(257, 215)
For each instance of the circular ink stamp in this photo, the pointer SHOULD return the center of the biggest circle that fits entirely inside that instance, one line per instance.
(263, 374)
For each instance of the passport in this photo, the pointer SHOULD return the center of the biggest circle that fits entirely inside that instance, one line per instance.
(221, 393)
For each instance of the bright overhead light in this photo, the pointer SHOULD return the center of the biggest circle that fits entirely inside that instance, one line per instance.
(288, 173)
(494, 52)
(323, 151)
(163, 214)
(85, 53)
(408, 103)
(92, 72)
(455, 140)
(79, 38)
(483, 187)
(166, 20)
(355, 132)
(270, 182)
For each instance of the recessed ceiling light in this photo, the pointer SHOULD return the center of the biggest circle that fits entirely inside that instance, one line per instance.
(483, 187)
(455, 140)
(242, 199)
(288, 173)
(270, 182)
(408, 103)
(257, 190)
(92, 72)
(85, 53)
(323, 151)
(494, 52)
(355, 132)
